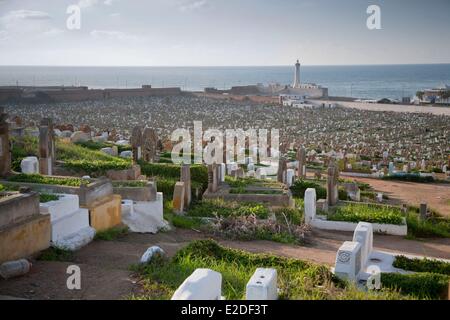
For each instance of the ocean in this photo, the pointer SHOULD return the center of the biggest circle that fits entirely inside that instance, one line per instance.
(372, 82)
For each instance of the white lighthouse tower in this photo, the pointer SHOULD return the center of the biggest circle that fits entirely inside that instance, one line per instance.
(297, 75)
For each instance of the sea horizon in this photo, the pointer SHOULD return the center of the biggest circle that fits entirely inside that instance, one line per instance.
(374, 81)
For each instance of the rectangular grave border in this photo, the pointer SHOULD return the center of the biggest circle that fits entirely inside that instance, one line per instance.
(88, 194)
(145, 194)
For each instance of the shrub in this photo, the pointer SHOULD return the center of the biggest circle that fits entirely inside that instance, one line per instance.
(87, 161)
(432, 227)
(43, 197)
(199, 173)
(56, 254)
(367, 213)
(112, 233)
(422, 265)
(299, 187)
(36, 178)
(221, 208)
(420, 285)
(293, 216)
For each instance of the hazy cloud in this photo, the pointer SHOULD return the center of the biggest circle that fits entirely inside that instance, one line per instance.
(189, 5)
(114, 35)
(26, 14)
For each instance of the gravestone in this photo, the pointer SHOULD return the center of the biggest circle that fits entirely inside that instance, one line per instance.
(150, 145)
(332, 183)
(423, 211)
(202, 284)
(48, 122)
(5, 150)
(186, 178)
(348, 261)
(301, 166)
(290, 175)
(178, 197)
(364, 235)
(262, 285)
(310, 205)
(282, 168)
(136, 144)
(212, 178)
(45, 157)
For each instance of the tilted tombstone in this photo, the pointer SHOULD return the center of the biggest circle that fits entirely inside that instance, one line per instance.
(5, 150)
(301, 166)
(186, 178)
(332, 183)
(136, 144)
(150, 145)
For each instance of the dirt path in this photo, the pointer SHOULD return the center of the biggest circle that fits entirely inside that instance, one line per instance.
(105, 265)
(437, 196)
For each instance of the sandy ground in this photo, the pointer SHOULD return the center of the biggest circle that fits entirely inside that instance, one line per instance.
(392, 107)
(436, 195)
(105, 265)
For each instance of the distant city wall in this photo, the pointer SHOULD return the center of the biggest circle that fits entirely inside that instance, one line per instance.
(75, 94)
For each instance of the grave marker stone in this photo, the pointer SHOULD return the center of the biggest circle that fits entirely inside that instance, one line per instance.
(136, 144)
(332, 183)
(178, 198)
(186, 178)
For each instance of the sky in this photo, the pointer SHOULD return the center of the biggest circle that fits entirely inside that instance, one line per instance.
(223, 32)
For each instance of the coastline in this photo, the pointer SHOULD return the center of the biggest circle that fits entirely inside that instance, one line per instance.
(391, 107)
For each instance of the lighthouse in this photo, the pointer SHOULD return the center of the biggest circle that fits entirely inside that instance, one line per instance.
(297, 75)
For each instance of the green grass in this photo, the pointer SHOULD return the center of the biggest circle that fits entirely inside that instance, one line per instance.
(422, 265)
(87, 161)
(367, 213)
(37, 178)
(293, 216)
(44, 197)
(221, 208)
(419, 285)
(112, 234)
(297, 279)
(299, 187)
(430, 228)
(56, 254)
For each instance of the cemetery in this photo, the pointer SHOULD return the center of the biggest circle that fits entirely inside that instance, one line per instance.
(73, 188)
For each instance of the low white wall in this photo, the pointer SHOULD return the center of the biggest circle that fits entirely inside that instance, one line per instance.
(391, 229)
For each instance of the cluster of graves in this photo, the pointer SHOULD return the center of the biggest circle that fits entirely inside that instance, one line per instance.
(356, 261)
(74, 213)
(342, 133)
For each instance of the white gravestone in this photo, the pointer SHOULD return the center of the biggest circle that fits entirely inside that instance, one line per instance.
(290, 174)
(348, 261)
(223, 168)
(202, 284)
(30, 165)
(310, 205)
(262, 285)
(364, 235)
